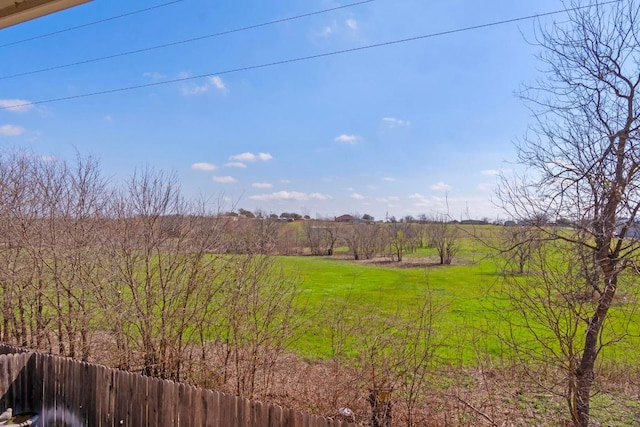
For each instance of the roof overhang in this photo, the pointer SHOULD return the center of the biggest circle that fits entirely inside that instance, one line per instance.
(13, 12)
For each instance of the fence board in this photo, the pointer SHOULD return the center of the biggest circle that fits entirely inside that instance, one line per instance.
(138, 397)
(22, 397)
(91, 397)
(79, 393)
(246, 413)
(275, 415)
(103, 382)
(154, 399)
(261, 414)
(225, 413)
(35, 381)
(169, 397)
(197, 406)
(4, 382)
(212, 403)
(183, 405)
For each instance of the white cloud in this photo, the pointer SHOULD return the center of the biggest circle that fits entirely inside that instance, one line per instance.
(387, 199)
(357, 196)
(107, 118)
(319, 196)
(490, 172)
(155, 76)
(224, 179)
(250, 157)
(202, 166)
(289, 195)
(416, 196)
(394, 122)
(11, 130)
(194, 89)
(372, 187)
(285, 181)
(235, 165)
(16, 105)
(217, 82)
(326, 31)
(347, 139)
(48, 159)
(440, 186)
(484, 186)
(197, 89)
(389, 179)
(352, 23)
(261, 185)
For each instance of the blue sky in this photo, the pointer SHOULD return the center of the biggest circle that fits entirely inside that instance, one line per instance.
(412, 128)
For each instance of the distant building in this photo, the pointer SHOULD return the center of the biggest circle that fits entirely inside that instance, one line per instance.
(345, 218)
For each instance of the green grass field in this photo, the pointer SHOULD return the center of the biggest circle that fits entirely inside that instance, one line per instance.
(472, 313)
(461, 290)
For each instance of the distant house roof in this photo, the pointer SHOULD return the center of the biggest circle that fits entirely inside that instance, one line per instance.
(345, 218)
(14, 12)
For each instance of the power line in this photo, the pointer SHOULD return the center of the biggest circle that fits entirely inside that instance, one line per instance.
(147, 49)
(88, 24)
(302, 58)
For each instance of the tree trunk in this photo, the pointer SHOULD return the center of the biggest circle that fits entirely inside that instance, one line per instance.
(584, 374)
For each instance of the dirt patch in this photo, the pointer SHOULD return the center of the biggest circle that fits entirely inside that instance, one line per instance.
(407, 262)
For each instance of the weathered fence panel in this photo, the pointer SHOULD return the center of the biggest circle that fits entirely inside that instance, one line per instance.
(68, 392)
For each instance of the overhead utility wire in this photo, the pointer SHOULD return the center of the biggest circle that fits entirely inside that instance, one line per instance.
(146, 49)
(88, 24)
(300, 59)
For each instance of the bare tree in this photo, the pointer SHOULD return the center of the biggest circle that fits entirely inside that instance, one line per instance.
(583, 158)
(161, 280)
(252, 235)
(256, 316)
(22, 305)
(321, 236)
(402, 238)
(364, 240)
(520, 243)
(444, 237)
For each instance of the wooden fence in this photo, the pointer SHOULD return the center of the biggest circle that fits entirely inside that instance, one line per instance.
(70, 393)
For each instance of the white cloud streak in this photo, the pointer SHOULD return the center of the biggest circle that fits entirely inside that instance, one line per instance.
(440, 186)
(196, 89)
(224, 179)
(202, 166)
(16, 105)
(289, 195)
(217, 82)
(261, 185)
(11, 130)
(250, 157)
(347, 139)
(490, 172)
(235, 165)
(393, 122)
